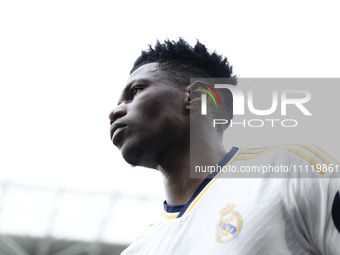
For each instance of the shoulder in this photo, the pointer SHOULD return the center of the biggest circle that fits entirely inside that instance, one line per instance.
(304, 151)
(288, 161)
(309, 186)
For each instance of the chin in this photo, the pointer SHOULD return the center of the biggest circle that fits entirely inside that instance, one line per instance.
(136, 155)
(131, 160)
(132, 154)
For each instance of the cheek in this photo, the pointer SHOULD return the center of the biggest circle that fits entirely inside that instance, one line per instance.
(151, 107)
(156, 113)
(150, 110)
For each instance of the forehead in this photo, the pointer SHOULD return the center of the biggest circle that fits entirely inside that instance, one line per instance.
(146, 74)
(147, 69)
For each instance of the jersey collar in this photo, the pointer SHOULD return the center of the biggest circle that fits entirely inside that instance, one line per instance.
(176, 211)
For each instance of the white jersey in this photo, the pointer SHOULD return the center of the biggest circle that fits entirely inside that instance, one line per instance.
(253, 215)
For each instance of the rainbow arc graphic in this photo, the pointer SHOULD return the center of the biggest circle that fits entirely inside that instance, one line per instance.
(208, 92)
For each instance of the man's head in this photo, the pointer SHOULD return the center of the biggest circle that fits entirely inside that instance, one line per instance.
(181, 62)
(152, 116)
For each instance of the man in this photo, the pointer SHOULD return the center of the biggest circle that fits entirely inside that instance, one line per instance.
(158, 123)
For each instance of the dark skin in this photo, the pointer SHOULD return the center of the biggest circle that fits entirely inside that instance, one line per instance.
(151, 127)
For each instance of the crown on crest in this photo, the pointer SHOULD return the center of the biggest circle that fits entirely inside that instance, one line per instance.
(227, 208)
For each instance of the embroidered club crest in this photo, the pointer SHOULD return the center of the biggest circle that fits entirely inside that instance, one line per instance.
(229, 224)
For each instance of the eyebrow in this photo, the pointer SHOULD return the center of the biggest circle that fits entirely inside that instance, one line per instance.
(129, 85)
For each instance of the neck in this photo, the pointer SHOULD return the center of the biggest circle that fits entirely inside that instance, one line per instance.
(179, 186)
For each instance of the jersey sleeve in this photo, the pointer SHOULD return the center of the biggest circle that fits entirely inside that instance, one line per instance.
(313, 205)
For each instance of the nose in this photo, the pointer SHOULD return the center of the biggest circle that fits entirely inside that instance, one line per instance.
(117, 113)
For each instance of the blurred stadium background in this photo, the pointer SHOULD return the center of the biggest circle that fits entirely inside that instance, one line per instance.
(64, 189)
(38, 220)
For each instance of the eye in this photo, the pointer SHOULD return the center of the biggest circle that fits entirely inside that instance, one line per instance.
(135, 91)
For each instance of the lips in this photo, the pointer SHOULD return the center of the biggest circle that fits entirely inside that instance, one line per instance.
(115, 129)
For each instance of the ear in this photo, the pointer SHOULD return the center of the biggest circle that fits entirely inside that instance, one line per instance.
(193, 96)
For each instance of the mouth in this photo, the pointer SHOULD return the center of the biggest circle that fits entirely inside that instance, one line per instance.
(115, 130)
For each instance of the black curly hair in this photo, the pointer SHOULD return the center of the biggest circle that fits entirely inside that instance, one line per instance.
(196, 60)
(180, 62)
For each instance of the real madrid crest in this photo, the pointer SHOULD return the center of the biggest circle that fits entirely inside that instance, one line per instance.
(229, 225)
